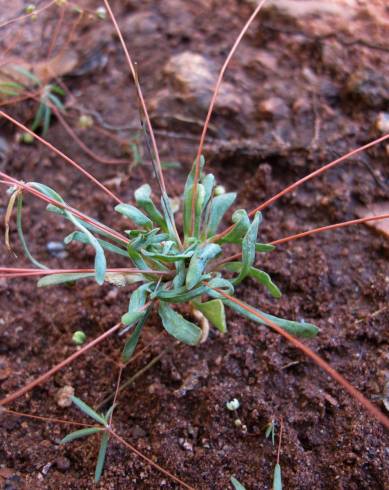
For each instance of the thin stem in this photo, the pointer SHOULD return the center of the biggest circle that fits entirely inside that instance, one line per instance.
(158, 166)
(304, 179)
(307, 233)
(62, 155)
(140, 94)
(148, 460)
(329, 227)
(11, 181)
(357, 395)
(22, 17)
(133, 378)
(82, 145)
(212, 104)
(44, 377)
(45, 419)
(116, 393)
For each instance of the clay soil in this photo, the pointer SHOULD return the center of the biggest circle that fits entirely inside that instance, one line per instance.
(175, 413)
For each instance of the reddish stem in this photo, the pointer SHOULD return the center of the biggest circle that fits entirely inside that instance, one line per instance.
(62, 155)
(45, 419)
(304, 179)
(22, 17)
(11, 181)
(357, 395)
(148, 460)
(44, 377)
(307, 233)
(212, 104)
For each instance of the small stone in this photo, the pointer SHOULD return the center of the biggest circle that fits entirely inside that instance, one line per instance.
(274, 107)
(62, 463)
(184, 444)
(233, 405)
(56, 249)
(382, 122)
(63, 396)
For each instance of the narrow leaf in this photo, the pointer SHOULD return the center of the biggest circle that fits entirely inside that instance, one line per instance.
(258, 275)
(80, 433)
(242, 224)
(236, 484)
(55, 279)
(219, 206)
(144, 201)
(199, 261)
(134, 215)
(277, 481)
(248, 248)
(88, 410)
(188, 193)
(264, 247)
(101, 456)
(299, 329)
(176, 325)
(132, 342)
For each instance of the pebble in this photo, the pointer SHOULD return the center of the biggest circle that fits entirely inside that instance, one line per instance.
(56, 249)
(62, 463)
(63, 396)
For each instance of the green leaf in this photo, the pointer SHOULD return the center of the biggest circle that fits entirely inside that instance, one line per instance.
(132, 316)
(26, 73)
(101, 456)
(258, 275)
(46, 119)
(134, 215)
(242, 224)
(180, 295)
(264, 247)
(188, 193)
(248, 248)
(277, 481)
(169, 216)
(144, 201)
(100, 262)
(132, 342)
(88, 410)
(214, 311)
(55, 279)
(199, 261)
(176, 325)
(299, 329)
(166, 257)
(80, 433)
(236, 484)
(219, 206)
(221, 283)
(208, 183)
(21, 234)
(80, 236)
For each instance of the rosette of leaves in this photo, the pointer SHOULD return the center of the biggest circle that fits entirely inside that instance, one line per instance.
(173, 271)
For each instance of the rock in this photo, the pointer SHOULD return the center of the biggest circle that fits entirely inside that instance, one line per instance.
(193, 78)
(141, 23)
(301, 8)
(368, 88)
(382, 122)
(274, 108)
(57, 249)
(63, 396)
(62, 463)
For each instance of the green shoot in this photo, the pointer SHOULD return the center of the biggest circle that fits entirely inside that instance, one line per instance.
(103, 421)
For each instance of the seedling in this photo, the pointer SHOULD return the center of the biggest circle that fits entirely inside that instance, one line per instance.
(49, 96)
(103, 429)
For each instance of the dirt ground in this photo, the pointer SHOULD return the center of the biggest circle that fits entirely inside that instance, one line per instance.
(304, 87)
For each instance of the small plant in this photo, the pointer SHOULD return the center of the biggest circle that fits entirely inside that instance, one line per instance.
(48, 98)
(171, 270)
(104, 422)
